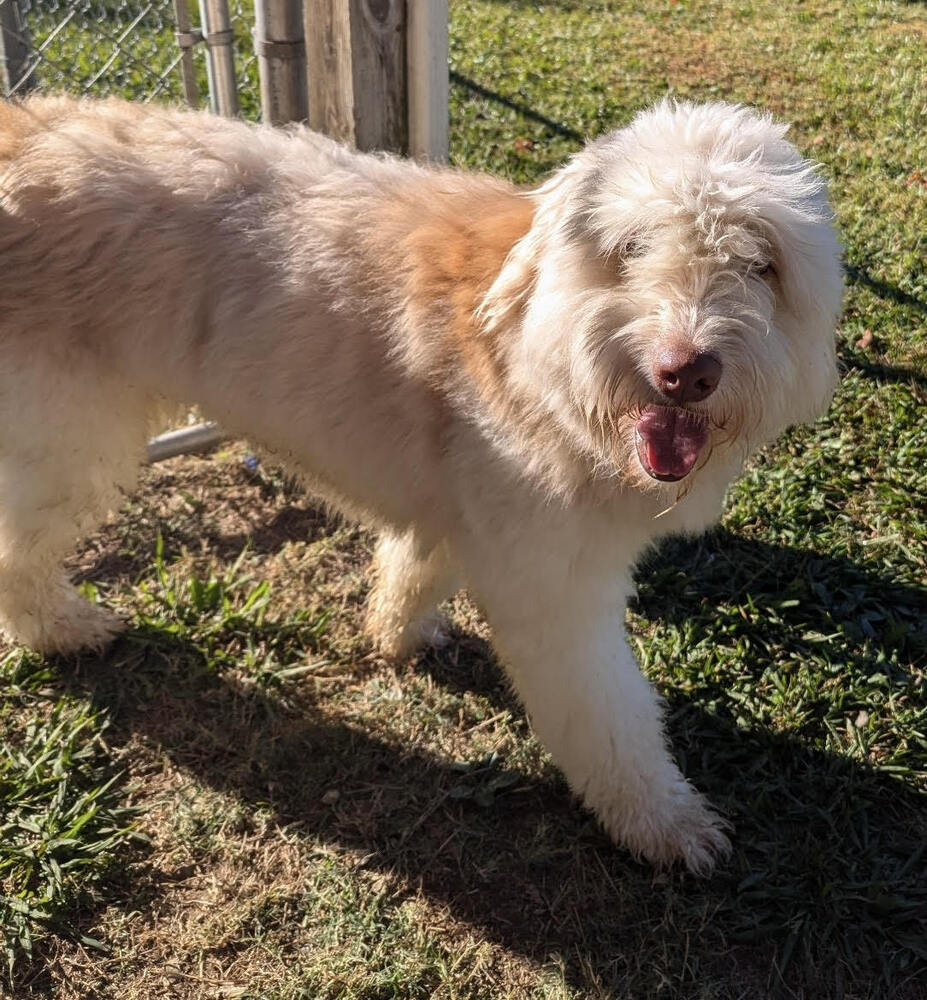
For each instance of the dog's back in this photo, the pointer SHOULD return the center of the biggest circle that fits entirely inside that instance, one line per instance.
(150, 254)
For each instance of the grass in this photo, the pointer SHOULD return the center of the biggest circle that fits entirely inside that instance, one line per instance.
(241, 800)
(63, 813)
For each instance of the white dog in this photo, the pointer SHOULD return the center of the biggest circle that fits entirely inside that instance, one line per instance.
(521, 389)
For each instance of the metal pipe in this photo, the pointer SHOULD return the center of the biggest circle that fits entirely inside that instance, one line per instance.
(281, 50)
(220, 57)
(428, 80)
(14, 50)
(187, 38)
(196, 438)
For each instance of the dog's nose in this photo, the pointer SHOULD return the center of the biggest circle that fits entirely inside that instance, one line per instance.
(686, 375)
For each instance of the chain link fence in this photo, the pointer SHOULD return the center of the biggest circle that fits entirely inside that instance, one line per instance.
(138, 49)
(131, 48)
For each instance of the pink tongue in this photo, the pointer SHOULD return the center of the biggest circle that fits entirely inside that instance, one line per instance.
(669, 441)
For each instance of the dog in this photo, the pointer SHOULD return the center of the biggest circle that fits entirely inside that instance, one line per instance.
(522, 390)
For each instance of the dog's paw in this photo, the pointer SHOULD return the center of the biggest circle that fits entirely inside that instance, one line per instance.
(430, 633)
(425, 633)
(93, 628)
(679, 826)
(700, 841)
(73, 625)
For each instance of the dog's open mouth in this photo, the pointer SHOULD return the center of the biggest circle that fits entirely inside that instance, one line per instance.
(669, 441)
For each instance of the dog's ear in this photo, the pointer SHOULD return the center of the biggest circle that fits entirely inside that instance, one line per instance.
(554, 205)
(512, 287)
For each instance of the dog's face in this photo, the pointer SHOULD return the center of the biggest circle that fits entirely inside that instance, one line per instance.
(685, 284)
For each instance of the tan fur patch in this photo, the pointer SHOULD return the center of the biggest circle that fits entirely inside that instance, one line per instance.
(14, 126)
(19, 120)
(454, 257)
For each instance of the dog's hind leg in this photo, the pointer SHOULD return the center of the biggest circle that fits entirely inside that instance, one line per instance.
(554, 590)
(410, 581)
(71, 444)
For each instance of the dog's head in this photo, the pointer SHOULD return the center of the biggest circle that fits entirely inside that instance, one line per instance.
(678, 291)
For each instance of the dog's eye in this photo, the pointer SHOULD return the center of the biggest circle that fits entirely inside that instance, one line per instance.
(621, 255)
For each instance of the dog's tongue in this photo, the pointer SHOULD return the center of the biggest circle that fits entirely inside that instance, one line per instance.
(669, 441)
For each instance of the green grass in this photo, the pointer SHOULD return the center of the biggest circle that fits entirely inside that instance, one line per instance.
(269, 810)
(63, 805)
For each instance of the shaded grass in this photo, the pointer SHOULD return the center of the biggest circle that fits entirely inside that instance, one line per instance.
(323, 824)
(64, 809)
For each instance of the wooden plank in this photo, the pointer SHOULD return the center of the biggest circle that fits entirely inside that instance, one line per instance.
(328, 57)
(378, 40)
(357, 71)
(429, 81)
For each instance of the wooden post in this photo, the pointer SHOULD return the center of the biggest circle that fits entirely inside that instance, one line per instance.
(356, 53)
(281, 52)
(14, 50)
(220, 58)
(429, 82)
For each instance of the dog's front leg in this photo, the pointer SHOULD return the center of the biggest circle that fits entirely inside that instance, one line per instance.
(411, 578)
(556, 606)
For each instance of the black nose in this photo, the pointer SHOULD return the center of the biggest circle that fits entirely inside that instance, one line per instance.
(686, 375)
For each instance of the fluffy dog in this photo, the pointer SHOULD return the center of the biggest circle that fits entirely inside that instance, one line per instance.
(522, 390)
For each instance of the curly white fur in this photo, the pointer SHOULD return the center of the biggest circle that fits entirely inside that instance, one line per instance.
(463, 364)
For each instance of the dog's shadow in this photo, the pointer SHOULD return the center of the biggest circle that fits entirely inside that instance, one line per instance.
(829, 857)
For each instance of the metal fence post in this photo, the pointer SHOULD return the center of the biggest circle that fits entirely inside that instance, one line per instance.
(428, 79)
(220, 58)
(187, 38)
(14, 50)
(281, 52)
